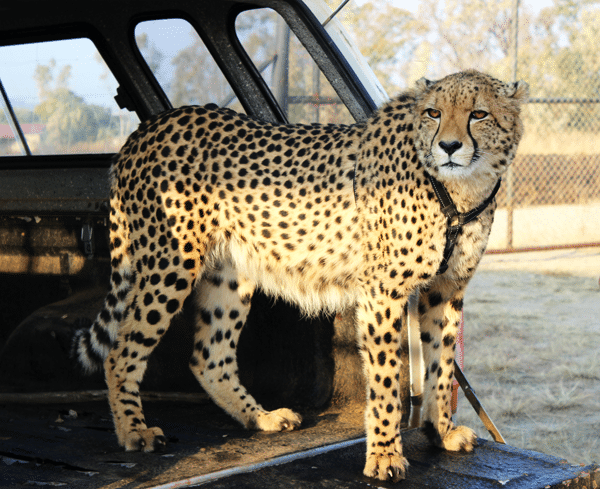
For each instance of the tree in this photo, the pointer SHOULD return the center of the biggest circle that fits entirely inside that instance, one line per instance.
(197, 79)
(68, 119)
(153, 56)
(388, 37)
(556, 55)
(24, 116)
(441, 38)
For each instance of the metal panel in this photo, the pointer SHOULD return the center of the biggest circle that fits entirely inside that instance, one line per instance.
(54, 190)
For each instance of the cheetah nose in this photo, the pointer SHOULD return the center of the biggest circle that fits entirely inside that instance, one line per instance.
(450, 147)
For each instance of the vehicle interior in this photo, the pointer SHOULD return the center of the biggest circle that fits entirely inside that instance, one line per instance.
(75, 82)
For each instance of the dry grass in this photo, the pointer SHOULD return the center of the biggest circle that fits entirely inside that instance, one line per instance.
(587, 371)
(512, 405)
(559, 397)
(531, 354)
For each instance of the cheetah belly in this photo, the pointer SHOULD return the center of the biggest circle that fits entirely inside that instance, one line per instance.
(316, 281)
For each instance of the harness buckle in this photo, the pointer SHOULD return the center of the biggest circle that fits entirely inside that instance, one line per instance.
(452, 215)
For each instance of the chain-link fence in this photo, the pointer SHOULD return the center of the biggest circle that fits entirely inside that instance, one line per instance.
(551, 195)
(559, 161)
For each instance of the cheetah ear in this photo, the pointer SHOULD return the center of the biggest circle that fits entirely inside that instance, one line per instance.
(518, 90)
(423, 84)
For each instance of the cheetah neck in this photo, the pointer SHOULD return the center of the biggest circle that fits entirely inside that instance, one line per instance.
(468, 193)
(455, 219)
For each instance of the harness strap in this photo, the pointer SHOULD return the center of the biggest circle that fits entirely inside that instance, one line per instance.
(455, 219)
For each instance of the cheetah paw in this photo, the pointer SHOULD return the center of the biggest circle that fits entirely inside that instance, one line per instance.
(386, 466)
(278, 420)
(148, 440)
(459, 438)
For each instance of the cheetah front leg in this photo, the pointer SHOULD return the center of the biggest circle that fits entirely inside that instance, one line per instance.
(440, 313)
(378, 330)
(223, 303)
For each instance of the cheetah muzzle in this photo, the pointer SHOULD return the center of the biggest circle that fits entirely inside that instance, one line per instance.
(323, 216)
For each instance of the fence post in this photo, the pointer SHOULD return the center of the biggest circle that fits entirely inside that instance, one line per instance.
(510, 173)
(281, 72)
(316, 89)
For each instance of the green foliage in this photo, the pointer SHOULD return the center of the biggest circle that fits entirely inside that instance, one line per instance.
(24, 116)
(68, 118)
(257, 31)
(440, 38)
(153, 56)
(385, 35)
(556, 54)
(196, 77)
(191, 76)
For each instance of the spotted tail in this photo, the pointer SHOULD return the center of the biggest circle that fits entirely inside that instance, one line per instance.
(91, 346)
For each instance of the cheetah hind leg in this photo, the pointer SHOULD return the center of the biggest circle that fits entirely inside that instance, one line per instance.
(127, 361)
(222, 305)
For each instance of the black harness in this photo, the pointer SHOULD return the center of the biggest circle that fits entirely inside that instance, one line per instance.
(455, 219)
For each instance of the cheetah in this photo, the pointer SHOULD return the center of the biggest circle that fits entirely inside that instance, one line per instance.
(323, 216)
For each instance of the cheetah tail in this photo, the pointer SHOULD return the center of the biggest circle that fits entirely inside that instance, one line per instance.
(91, 344)
(84, 352)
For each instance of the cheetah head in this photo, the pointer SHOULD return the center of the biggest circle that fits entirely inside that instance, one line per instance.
(468, 125)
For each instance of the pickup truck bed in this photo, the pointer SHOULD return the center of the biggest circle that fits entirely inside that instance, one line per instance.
(72, 444)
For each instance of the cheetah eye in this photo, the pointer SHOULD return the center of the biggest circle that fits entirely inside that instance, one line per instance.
(478, 114)
(433, 113)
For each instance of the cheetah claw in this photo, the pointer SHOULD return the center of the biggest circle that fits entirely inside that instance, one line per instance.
(148, 440)
(279, 420)
(460, 438)
(390, 467)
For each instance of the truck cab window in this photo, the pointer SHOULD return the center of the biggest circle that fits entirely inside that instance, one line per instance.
(57, 98)
(300, 88)
(182, 64)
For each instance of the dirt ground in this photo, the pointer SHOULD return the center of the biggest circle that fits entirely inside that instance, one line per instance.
(532, 350)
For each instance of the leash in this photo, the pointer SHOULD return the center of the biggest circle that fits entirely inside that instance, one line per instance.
(479, 409)
(455, 219)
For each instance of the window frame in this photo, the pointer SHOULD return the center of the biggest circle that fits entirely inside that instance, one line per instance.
(114, 38)
(53, 34)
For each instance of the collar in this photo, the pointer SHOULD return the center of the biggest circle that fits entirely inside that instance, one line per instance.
(455, 219)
